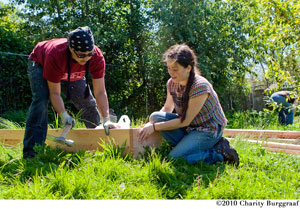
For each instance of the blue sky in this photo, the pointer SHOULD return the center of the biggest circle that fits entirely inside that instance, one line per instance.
(4, 1)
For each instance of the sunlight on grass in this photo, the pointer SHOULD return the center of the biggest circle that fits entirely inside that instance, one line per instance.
(266, 119)
(7, 124)
(113, 174)
(55, 174)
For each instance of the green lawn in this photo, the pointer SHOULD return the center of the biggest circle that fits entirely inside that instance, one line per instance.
(55, 174)
(111, 175)
(260, 120)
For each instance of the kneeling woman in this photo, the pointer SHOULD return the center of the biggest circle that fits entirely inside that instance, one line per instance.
(195, 130)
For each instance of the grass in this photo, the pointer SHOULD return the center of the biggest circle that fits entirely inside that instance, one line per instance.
(265, 119)
(7, 124)
(261, 120)
(111, 174)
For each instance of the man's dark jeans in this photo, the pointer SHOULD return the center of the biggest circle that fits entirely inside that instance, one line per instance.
(285, 111)
(37, 119)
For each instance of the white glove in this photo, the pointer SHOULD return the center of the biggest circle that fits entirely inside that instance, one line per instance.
(67, 119)
(107, 124)
(100, 126)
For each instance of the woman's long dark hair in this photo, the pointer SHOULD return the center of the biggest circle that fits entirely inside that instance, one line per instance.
(184, 56)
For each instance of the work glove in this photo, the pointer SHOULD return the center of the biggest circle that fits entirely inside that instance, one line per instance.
(107, 124)
(67, 119)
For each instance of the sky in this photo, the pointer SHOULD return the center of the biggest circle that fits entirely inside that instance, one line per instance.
(4, 1)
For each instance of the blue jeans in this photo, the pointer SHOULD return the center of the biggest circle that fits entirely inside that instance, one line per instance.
(37, 118)
(193, 146)
(285, 112)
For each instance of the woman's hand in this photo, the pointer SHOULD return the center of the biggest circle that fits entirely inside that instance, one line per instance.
(146, 131)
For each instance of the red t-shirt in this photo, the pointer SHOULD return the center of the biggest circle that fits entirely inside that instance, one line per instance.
(52, 56)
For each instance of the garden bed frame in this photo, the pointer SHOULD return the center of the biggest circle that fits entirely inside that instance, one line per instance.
(273, 140)
(91, 139)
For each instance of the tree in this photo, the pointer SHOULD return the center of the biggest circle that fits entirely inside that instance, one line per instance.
(121, 30)
(14, 87)
(229, 37)
(217, 31)
(275, 41)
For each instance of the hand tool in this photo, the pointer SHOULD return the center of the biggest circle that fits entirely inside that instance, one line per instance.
(62, 138)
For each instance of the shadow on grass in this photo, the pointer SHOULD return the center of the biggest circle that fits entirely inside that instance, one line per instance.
(172, 178)
(175, 176)
(46, 161)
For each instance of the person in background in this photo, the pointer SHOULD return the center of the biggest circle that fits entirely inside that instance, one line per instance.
(195, 130)
(287, 106)
(63, 65)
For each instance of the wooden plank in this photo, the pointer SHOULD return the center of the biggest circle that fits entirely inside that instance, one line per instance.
(88, 139)
(283, 150)
(262, 133)
(154, 140)
(277, 145)
(287, 141)
(11, 137)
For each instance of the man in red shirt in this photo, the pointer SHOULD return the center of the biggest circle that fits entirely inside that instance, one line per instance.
(62, 65)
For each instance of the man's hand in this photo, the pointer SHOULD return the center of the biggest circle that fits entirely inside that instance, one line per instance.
(67, 119)
(107, 124)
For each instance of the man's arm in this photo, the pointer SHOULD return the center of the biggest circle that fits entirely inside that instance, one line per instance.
(101, 97)
(295, 106)
(55, 97)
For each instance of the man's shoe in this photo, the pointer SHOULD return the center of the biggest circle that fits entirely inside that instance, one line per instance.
(28, 157)
(229, 154)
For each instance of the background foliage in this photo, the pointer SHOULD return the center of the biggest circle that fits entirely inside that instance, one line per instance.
(275, 41)
(14, 87)
(229, 37)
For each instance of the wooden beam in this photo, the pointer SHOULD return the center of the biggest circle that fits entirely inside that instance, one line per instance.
(262, 133)
(276, 145)
(89, 139)
(283, 150)
(11, 137)
(287, 141)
